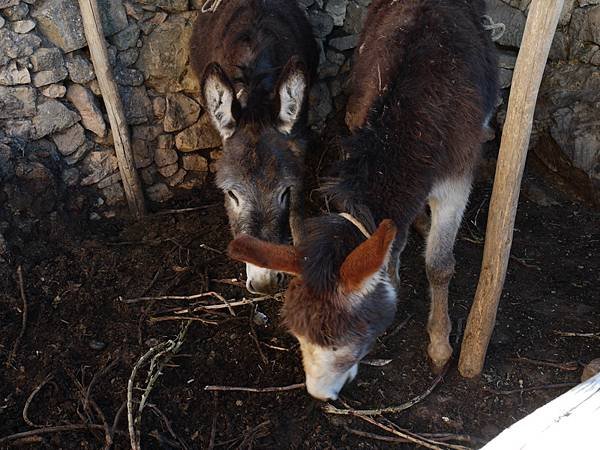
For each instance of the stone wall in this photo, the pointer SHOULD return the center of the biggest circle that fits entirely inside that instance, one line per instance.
(566, 134)
(50, 102)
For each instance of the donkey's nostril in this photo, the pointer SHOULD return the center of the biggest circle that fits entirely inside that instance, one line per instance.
(250, 286)
(280, 278)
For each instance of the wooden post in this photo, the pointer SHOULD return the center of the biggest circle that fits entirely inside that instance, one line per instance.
(529, 69)
(95, 38)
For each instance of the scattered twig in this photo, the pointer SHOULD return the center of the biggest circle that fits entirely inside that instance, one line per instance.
(170, 297)
(409, 436)
(30, 399)
(532, 388)
(569, 366)
(191, 318)
(118, 414)
(255, 336)
(243, 302)
(573, 334)
(47, 430)
(330, 409)
(213, 428)
(441, 437)
(258, 390)
(165, 420)
(15, 348)
(166, 212)
(275, 347)
(210, 249)
(376, 362)
(524, 263)
(396, 330)
(153, 356)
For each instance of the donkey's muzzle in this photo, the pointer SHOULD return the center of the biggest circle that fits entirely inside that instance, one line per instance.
(263, 281)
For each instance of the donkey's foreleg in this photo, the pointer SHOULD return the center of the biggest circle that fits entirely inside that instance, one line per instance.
(447, 202)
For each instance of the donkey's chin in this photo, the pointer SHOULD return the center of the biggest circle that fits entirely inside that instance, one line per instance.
(262, 281)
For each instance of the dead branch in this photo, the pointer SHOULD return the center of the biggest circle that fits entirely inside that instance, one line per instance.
(396, 330)
(47, 430)
(441, 437)
(186, 210)
(569, 365)
(532, 388)
(258, 390)
(118, 414)
(409, 436)
(330, 409)
(573, 334)
(190, 318)
(153, 355)
(30, 399)
(15, 348)
(254, 336)
(165, 420)
(213, 428)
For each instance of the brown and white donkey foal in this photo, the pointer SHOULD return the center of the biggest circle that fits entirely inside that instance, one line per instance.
(424, 81)
(255, 60)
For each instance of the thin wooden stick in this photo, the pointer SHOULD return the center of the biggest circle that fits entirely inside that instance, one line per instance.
(30, 399)
(540, 28)
(570, 365)
(534, 388)
(94, 34)
(258, 390)
(166, 212)
(15, 348)
(330, 409)
(441, 437)
(410, 437)
(573, 334)
(176, 318)
(47, 430)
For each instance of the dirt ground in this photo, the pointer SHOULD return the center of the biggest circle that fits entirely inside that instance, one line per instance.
(78, 329)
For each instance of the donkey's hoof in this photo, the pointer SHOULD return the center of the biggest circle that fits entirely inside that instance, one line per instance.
(438, 357)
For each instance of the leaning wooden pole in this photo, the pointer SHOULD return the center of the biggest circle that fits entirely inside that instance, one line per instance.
(95, 38)
(537, 39)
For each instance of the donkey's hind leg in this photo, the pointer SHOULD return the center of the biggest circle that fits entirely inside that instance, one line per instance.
(447, 202)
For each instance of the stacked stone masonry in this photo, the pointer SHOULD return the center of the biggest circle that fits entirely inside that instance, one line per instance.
(51, 106)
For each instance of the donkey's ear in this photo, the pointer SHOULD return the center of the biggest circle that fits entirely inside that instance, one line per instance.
(368, 258)
(291, 90)
(219, 99)
(282, 258)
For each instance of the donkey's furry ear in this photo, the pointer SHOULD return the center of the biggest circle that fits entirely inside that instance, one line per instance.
(282, 258)
(368, 258)
(291, 90)
(219, 99)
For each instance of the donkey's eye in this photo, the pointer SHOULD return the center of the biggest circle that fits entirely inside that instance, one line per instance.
(233, 197)
(284, 198)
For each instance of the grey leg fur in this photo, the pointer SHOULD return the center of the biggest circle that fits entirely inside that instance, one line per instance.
(447, 201)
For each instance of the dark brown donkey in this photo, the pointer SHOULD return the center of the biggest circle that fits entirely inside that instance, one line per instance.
(255, 60)
(424, 83)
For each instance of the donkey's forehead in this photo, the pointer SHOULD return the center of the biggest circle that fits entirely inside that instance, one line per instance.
(268, 158)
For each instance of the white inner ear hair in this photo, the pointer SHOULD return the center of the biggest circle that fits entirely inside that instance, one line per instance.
(219, 100)
(291, 96)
